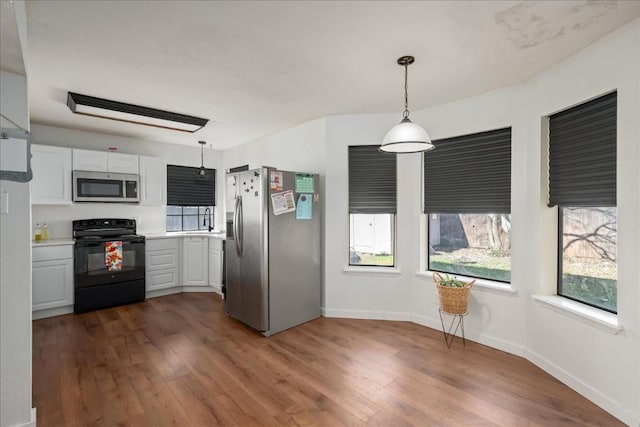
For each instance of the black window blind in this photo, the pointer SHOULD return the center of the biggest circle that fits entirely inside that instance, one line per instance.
(582, 154)
(185, 187)
(469, 174)
(372, 180)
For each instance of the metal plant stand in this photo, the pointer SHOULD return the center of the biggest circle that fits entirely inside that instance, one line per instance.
(457, 320)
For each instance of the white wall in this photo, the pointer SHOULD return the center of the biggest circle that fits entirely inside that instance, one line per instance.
(15, 272)
(299, 149)
(604, 367)
(150, 219)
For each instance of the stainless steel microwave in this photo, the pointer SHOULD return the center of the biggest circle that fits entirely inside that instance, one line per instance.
(105, 187)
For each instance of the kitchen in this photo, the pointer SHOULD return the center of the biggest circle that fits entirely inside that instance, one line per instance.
(504, 318)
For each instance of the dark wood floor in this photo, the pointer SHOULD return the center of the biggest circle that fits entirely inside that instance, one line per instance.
(179, 360)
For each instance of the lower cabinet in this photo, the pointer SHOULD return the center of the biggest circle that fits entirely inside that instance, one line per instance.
(162, 263)
(195, 263)
(52, 277)
(215, 264)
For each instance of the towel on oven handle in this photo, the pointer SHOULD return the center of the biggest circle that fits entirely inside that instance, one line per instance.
(113, 255)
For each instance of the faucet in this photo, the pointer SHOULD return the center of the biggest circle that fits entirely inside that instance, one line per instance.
(204, 221)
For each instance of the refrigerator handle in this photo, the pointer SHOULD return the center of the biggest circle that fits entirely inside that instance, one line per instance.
(240, 239)
(236, 211)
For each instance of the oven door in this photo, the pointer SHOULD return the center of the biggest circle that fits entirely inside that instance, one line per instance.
(90, 262)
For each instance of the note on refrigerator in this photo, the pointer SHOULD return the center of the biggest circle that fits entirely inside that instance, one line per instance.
(304, 206)
(283, 202)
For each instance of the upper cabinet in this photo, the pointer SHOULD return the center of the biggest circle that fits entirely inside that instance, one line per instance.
(123, 163)
(153, 180)
(51, 183)
(102, 161)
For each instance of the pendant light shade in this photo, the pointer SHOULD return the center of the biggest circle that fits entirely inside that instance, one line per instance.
(406, 137)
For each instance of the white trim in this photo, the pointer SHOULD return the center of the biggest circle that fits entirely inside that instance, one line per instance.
(480, 284)
(198, 289)
(602, 400)
(351, 269)
(162, 292)
(601, 319)
(369, 314)
(32, 420)
(472, 335)
(217, 288)
(50, 312)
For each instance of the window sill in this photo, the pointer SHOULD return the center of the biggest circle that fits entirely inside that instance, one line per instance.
(480, 284)
(601, 319)
(351, 269)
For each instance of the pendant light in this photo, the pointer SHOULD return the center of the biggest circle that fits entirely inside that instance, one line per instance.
(406, 137)
(202, 172)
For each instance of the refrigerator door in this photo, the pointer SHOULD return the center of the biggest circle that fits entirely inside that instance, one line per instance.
(253, 261)
(232, 287)
(294, 254)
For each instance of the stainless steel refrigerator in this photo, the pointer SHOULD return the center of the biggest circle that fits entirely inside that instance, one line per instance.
(272, 252)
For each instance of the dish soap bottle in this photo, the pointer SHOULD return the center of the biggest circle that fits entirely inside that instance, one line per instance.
(38, 232)
(45, 232)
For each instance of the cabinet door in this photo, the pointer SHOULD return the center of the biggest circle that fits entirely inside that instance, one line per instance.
(162, 279)
(195, 264)
(215, 264)
(52, 283)
(88, 160)
(153, 181)
(51, 183)
(122, 163)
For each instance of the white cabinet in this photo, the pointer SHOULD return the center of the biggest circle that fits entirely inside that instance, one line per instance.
(103, 161)
(123, 163)
(153, 180)
(195, 265)
(215, 263)
(87, 160)
(52, 277)
(162, 263)
(51, 183)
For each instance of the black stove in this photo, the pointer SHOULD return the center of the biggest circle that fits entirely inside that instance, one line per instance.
(109, 263)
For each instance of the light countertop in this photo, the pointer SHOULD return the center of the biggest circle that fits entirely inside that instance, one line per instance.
(167, 235)
(51, 242)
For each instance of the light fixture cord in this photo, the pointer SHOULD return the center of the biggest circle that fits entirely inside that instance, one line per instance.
(201, 156)
(405, 113)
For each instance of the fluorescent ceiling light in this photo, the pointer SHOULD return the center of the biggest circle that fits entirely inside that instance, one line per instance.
(106, 109)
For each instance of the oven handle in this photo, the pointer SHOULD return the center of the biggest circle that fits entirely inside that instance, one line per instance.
(84, 244)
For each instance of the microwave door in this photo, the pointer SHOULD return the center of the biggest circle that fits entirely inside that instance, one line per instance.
(99, 188)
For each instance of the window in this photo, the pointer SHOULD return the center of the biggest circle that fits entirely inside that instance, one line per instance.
(188, 218)
(467, 198)
(190, 198)
(582, 183)
(372, 206)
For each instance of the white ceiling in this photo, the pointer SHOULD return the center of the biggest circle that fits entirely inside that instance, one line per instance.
(254, 68)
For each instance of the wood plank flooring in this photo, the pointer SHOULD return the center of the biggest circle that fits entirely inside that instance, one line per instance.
(179, 360)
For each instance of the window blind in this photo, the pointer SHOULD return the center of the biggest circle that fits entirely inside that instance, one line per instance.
(469, 174)
(186, 188)
(372, 180)
(582, 154)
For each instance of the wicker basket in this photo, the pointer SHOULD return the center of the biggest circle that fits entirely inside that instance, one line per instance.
(453, 300)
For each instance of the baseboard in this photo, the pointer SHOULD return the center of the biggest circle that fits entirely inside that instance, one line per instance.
(598, 398)
(472, 335)
(32, 420)
(50, 312)
(362, 314)
(199, 289)
(163, 292)
(179, 289)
